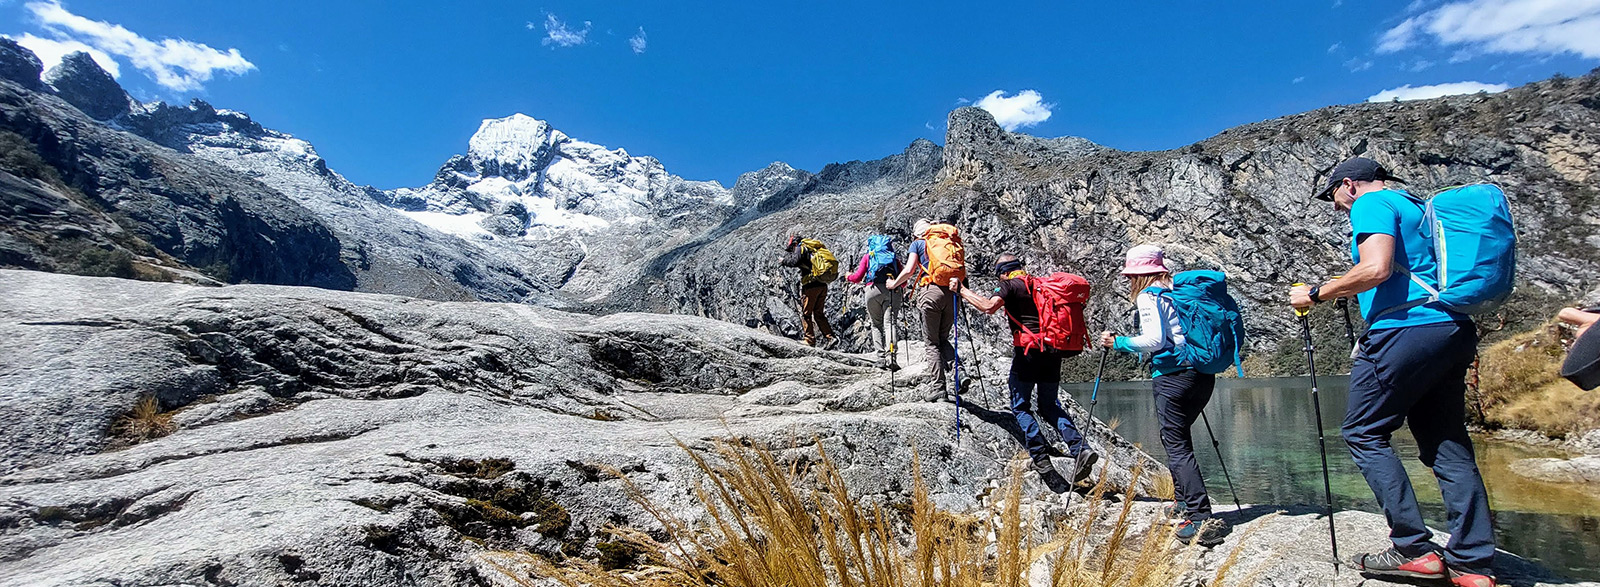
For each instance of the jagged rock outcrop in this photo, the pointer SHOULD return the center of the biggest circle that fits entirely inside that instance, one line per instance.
(82, 83)
(351, 432)
(18, 64)
(1238, 201)
(82, 194)
(386, 251)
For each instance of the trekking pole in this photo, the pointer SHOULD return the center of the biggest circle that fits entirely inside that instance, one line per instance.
(1094, 396)
(1316, 403)
(1349, 328)
(955, 349)
(1218, 447)
(976, 364)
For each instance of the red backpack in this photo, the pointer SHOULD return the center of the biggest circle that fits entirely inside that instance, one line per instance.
(1059, 299)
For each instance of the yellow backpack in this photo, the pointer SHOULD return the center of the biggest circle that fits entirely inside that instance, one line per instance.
(824, 266)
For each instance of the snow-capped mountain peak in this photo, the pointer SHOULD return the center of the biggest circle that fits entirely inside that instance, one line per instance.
(514, 146)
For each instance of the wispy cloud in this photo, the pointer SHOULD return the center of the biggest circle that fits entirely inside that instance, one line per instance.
(963, 101)
(1408, 92)
(175, 64)
(1298, 80)
(639, 41)
(1334, 48)
(1419, 65)
(1025, 109)
(1504, 26)
(51, 51)
(559, 34)
(1358, 64)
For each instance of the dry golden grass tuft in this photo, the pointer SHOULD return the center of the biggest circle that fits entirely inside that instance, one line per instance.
(1520, 386)
(785, 525)
(145, 422)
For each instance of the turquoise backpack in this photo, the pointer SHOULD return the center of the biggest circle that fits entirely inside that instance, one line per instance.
(880, 254)
(1475, 244)
(1212, 324)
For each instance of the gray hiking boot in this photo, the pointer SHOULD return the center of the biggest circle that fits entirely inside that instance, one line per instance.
(1042, 464)
(937, 393)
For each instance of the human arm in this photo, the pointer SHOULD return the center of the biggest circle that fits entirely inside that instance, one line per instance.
(1377, 263)
(987, 305)
(1582, 319)
(906, 271)
(861, 270)
(1152, 329)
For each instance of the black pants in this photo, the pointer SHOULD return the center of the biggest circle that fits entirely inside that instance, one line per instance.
(1180, 397)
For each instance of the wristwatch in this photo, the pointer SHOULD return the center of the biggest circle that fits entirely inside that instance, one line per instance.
(1315, 298)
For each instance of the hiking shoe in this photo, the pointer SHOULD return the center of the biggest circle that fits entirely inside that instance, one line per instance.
(1083, 465)
(1469, 579)
(1054, 451)
(1176, 511)
(937, 394)
(1204, 532)
(1042, 464)
(1392, 563)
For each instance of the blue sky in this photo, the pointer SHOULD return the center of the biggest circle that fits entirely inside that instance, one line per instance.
(388, 91)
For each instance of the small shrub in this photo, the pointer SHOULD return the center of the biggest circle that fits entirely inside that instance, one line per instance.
(145, 422)
(19, 157)
(98, 262)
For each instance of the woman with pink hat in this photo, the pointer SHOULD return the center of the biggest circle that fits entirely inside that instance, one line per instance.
(1181, 392)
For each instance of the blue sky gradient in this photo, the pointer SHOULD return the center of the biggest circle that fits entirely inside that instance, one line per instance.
(388, 91)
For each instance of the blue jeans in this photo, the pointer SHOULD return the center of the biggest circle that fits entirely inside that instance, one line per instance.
(1180, 397)
(1416, 375)
(1033, 370)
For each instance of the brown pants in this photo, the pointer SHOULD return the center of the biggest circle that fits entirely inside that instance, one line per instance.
(813, 312)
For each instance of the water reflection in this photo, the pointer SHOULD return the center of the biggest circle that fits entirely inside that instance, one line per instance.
(1266, 433)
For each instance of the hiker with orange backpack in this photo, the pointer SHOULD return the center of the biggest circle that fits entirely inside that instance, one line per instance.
(1046, 327)
(933, 260)
(818, 267)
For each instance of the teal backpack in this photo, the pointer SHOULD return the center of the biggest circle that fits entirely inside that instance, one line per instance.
(1475, 245)
(1212, 324)
(880, 254)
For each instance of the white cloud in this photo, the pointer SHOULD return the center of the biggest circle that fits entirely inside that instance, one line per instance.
(556, 33)
(52, 51)
(1334, 48)
(1504, 26)
(1298, 80)
(175, 64)
(1357, 64)
(1419, 65)
(1027, 108)
(639, 42)
(963, 101)
(1407, 92)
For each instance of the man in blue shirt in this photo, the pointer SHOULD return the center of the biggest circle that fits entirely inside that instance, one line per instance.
(1410, 368)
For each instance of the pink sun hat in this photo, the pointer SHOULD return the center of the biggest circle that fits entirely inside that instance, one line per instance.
(1144, 260)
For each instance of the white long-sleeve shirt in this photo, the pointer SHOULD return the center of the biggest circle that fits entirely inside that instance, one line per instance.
(1160, 328)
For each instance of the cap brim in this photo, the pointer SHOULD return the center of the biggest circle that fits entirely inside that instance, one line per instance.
(1326, 193)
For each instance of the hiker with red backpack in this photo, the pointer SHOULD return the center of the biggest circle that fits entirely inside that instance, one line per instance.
(1191, 329)
(1422, 268)
(879, 265)
(933, 260)
(1046, 327)
(818, 267)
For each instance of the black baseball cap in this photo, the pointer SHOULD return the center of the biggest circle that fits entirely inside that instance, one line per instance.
(1356, 168)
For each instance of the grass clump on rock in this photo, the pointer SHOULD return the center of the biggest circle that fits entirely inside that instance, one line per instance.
(1520, 386)
(772, 524)
(144, 422)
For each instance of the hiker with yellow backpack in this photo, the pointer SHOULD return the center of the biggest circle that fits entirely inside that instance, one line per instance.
(933, 260)
(818, 267)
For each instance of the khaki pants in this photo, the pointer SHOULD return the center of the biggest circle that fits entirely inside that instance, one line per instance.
(813, 313)
(937, 304)
(883, 306)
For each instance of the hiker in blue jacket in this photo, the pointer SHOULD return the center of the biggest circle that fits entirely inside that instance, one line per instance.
(1181, 392)
(1409, 368)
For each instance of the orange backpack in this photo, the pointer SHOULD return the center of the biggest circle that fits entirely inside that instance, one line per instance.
(946, 258)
